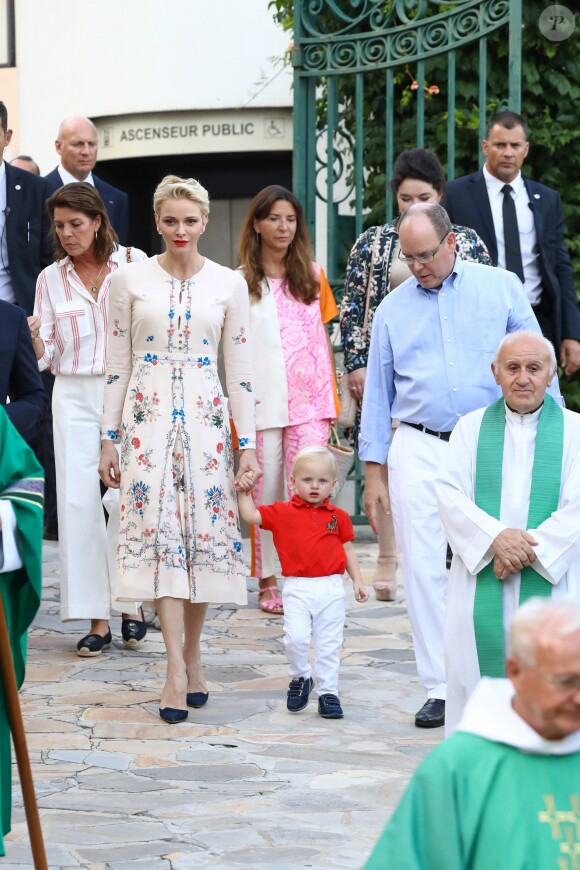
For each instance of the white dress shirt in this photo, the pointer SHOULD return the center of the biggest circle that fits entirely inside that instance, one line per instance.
(519, 194)
(67, 178)
(6, 291)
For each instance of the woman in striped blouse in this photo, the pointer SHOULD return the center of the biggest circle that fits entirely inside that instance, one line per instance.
(69, 331)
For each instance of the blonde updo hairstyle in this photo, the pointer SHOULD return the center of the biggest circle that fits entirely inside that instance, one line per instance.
(174, 187)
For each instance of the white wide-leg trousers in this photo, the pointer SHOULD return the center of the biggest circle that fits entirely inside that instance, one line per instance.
(413, 464)
(85, 587)
(314, 605)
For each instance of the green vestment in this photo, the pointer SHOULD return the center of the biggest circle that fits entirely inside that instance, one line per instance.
(475, 804)
(21, 481)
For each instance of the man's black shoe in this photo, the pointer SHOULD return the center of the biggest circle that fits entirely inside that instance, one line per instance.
(298, 692)
(431, 714)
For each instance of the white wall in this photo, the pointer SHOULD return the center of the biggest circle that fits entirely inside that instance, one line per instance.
(108, 58)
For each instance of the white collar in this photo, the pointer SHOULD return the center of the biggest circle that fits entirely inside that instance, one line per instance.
(523, 419)
(489, 714)
(495, 185)
(2, 171)
(67, 178)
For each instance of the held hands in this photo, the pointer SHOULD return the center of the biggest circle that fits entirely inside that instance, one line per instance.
(513, 550)
(249, 472)
(109, 465)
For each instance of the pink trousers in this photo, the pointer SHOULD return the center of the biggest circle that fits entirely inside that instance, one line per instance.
(276, 450)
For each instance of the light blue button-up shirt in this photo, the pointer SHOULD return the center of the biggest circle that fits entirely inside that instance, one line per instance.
(431, 351)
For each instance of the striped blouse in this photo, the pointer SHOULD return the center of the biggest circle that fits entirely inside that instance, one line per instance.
(74, 325)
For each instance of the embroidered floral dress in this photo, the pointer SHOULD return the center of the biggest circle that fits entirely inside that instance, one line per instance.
(179, 530)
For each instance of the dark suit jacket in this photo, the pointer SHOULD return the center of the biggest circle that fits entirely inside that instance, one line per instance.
(20, 379)
(27, 233)
(467, 203)
(116, 202)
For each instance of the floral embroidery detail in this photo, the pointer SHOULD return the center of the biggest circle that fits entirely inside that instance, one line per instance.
(140, 493)
(211, 411)
(150, 337)
(205, 341)
(243, 442)
(144, 407)
(151, 358)
(113, 434)
(246, 385)
(214, 497)
(203, 361)
(211, 463)
(121, 333)
(237, 546)
(112, 378)
(178, 412)
(240, 338)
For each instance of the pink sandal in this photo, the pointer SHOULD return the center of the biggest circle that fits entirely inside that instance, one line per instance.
(272, 605)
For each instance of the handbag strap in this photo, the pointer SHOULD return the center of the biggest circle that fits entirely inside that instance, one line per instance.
(374, 253)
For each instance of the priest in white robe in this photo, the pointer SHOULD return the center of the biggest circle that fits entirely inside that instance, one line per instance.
(504, 791)
(509, 499)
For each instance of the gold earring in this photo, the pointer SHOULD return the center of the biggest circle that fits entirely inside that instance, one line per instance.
(96, 236)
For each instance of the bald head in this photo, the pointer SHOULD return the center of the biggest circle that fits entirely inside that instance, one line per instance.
(77, 145)
(524, 366)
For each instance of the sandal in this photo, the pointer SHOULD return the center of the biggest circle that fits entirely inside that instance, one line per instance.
(272, 605)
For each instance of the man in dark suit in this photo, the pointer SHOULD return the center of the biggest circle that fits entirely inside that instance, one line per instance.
(522, 224)
(19, 376)
(77, 146)
(25, 247)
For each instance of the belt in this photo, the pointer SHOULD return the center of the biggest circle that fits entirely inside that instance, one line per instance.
(444, 436)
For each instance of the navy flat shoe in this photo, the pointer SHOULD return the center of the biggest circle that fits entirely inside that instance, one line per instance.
(133, 631)
(94, 644)
(173, 716)
(197, 699)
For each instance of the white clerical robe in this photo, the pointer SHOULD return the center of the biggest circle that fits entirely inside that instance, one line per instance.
(471, 532)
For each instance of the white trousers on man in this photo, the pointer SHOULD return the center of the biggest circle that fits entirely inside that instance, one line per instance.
(413, 464)
(86, 546)
(314, 606)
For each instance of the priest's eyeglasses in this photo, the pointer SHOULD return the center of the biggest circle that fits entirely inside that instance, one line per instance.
(564, 682)
(422, 258)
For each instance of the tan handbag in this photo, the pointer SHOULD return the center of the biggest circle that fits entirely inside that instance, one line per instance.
(343, 455)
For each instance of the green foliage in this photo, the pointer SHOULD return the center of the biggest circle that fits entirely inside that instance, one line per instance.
(550, 97)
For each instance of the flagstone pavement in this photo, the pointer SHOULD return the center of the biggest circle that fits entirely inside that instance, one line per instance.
(243, 782)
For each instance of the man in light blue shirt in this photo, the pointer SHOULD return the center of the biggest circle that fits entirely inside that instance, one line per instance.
(432, 344)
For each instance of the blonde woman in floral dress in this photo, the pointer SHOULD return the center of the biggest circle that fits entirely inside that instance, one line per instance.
(179, 540)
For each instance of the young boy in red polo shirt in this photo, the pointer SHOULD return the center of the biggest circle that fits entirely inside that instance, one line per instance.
(314, 542)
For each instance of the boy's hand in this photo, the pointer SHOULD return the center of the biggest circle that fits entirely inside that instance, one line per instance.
(360, 592)
(246, 482)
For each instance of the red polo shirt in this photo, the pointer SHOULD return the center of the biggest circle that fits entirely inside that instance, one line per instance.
(309, 540)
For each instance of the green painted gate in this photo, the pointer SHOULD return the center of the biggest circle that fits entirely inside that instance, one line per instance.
(351, 60)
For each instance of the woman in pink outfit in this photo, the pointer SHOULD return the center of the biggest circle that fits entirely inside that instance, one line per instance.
(293, 361)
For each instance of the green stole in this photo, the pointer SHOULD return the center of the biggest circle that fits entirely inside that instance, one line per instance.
(22, 483)
(544, 498)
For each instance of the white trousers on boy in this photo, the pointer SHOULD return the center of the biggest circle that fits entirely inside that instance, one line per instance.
(314, 605)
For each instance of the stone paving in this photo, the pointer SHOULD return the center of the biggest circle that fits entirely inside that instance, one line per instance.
(243, 782)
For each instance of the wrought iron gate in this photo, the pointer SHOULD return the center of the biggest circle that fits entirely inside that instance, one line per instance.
(347, 52)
